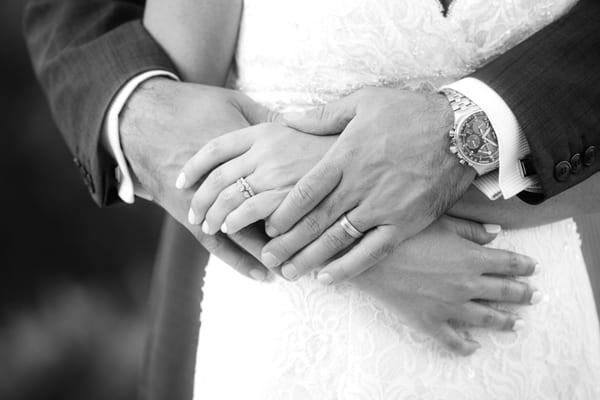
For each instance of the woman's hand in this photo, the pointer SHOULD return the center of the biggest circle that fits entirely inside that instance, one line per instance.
(442, 278)
(271, 158)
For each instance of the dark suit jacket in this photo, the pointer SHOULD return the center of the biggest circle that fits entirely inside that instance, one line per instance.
(84, 50)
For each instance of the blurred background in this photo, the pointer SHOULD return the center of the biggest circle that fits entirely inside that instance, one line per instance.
(75, 278)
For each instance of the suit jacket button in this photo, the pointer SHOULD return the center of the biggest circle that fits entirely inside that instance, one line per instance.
(562, 170)
(576, 163)
(589, 157)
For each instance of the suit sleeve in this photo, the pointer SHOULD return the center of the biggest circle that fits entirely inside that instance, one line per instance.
(83, 52)
(551, 82)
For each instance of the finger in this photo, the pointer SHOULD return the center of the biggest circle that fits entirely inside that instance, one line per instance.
(473, 231)
(228, 200)
(504, 262)
(507, 291)
(252, 210)
(214, 153)
(333, 241)
(256, 113)
(304, 196)
(454, 342)
(480, 315)
(242, 258)
(376, 245)
(309, 228)
(326, 119)
(219, 179)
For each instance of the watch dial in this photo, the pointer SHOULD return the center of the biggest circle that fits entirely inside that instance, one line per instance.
(477, 141)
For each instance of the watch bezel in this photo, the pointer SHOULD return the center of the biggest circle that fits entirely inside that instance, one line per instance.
(457, 141)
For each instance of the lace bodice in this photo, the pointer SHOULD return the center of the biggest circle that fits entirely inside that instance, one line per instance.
(301, 340)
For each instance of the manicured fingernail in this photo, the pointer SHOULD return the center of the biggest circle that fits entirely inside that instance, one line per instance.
(258, 275)
(224, 228)
(192, 217)
(519, 324)
(289, 271)
(271, 232)
(180, 183)
(294, 116)
(492, 229)
(270, 260)
(325, 279)
(537, 297)
(536, 269)
(205, 228)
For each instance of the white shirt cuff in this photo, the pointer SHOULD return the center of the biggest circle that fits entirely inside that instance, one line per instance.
(508, 180)
(128, 187)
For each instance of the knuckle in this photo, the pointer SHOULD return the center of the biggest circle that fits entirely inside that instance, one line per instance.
(467, 288)
(506, 289)
(228, 197)
(302, 194)
(488, 319)
(312, 225)
(216, 178)
(513, 263)
(214, 148)
(333, 241)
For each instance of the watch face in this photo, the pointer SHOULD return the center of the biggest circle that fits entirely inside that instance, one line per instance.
(477, 141)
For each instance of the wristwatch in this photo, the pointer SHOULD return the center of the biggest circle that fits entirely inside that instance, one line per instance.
(472, 138)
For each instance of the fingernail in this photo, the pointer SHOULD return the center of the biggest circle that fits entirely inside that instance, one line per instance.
(536, 269)
(492, 229)
(294, 116)
(180, 183)
(271, 232)
(289, 271)
(192, 217)
(536, 297)
(205, 228)
(519, 324)
(325, 278)
(224, 228)
(270, 260)
(258, 275)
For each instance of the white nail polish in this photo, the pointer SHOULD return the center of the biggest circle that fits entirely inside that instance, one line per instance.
(492, 229)
(519, 325)
(180, 183)
(205, 228)
(192, 217)
(224, 228)
(536, 297)
(536, 269)
(258, 275)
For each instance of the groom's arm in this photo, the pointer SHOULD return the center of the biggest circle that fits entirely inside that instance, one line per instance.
(83, 53)
(551, 82)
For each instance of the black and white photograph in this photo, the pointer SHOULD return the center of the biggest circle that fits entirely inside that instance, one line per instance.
(300, 200)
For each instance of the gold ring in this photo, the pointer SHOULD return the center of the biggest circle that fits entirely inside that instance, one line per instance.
(350, 229)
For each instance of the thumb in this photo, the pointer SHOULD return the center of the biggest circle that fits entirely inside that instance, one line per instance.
(473, 231)
(256, 113)
(327, 119)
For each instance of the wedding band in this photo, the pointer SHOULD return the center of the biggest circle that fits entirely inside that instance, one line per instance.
(350, 229)
(245, 188)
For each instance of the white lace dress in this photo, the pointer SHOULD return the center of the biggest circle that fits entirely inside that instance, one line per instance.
(301, 340)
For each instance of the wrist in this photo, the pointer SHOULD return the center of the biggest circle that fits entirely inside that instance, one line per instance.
(141, 115)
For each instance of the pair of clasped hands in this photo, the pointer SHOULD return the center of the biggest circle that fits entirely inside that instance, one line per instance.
(378, 156)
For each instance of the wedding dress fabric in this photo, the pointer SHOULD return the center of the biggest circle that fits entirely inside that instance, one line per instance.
(301, 340)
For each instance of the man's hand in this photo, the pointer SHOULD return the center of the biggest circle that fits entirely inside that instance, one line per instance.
(443, 278)
(164, 124)
(391, 173)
